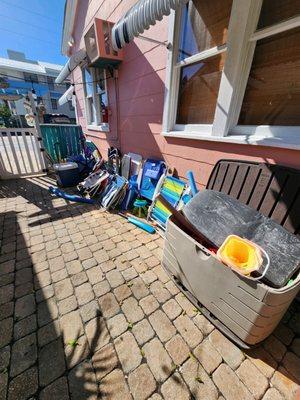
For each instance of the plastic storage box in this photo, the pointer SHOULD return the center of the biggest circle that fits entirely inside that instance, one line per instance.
(245, 310)
(67, 174)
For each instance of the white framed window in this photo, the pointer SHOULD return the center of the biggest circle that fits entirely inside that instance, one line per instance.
(53, 104)
(96, 98)
(233, 72)
(50, 82)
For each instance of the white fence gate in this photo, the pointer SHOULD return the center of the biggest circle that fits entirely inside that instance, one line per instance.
(20, 153)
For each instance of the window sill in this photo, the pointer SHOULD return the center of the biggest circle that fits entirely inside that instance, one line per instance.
(287, 142)
(99, 128)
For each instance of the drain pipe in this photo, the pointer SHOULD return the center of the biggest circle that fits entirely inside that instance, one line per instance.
(117, 95)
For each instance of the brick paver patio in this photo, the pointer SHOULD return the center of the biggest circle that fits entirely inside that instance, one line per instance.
(87, 312)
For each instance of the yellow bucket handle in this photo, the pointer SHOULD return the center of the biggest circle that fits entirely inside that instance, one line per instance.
(267, 266)
(265, 269)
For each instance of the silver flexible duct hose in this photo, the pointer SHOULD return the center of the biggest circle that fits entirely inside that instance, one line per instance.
(143, 14)
(71, 64)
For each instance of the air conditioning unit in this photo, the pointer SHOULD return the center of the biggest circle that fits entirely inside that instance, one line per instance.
(98, 44)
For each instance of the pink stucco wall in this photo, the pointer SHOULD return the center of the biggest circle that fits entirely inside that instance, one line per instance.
(141, 98)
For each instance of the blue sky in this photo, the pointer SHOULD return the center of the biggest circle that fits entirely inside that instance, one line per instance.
(33, 27)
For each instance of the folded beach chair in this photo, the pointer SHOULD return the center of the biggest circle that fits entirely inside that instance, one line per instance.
(151, 174)
(114, 192)
(125, 166)
(136, 161)
(94, 183)
(172, 190)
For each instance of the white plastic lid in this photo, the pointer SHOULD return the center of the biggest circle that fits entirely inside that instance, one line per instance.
(65, 166)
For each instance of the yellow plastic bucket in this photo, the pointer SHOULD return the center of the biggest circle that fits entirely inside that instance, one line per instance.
(240, 254)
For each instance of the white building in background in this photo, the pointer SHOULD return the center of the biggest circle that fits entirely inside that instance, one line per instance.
(23, 75)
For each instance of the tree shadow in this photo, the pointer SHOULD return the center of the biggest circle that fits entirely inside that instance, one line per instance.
(49, 208)
(36, 339)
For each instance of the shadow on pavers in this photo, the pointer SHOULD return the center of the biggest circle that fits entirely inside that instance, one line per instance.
(34, 351)
(36, 357)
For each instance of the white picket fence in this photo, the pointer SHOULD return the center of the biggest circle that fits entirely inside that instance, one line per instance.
(20, 153)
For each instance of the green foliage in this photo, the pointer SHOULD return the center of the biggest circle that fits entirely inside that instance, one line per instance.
(73, 343)
(5, 114)
(130, 325)
(173, 366)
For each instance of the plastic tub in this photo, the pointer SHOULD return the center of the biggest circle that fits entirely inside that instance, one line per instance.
(245, 309)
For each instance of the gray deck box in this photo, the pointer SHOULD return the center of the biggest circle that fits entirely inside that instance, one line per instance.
(245, 310)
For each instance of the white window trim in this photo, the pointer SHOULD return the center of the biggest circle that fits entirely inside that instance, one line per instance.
(98, 125)
(103, 127)
(242, 37)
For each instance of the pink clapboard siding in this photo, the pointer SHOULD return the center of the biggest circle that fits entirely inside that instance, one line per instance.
(141, 99)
